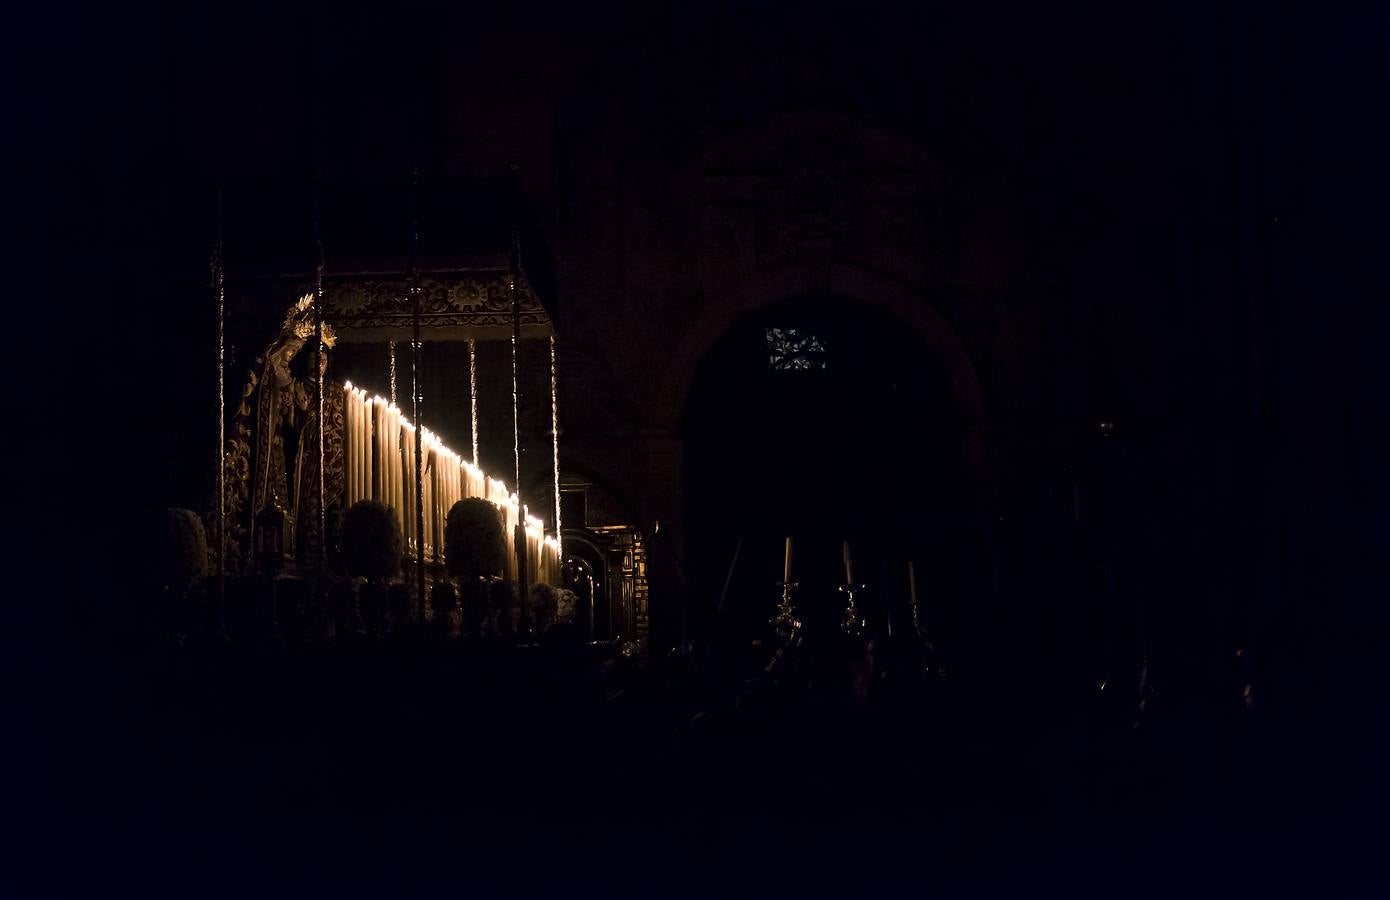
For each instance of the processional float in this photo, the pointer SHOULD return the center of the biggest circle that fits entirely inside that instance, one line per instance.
(475, 271)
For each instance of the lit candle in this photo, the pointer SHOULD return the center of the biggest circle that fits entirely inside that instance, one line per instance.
(350, 423)
(410, 438)
(347, 438)
(407, 483)
(424, 498)
(427, 502)
(399, 460)
(428, 479)
(359, 419)
(353, 440)
(379, 447)
(400, 470)
(368, 415)
(394, 449)
(787, 564)
(352, 444)
(368, 446)
(849, 568)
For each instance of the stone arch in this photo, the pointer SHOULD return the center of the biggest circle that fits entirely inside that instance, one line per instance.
(580, 543)
(765, 288)
(764, 142)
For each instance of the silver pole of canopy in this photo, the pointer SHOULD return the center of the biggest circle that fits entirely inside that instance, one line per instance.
(521, 564)
(220, 526)
(318, 384)
(391, 368)
(555, 443)
(473, 395)
(416, 399)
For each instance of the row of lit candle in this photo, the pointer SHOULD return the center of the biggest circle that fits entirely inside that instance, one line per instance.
(376, 431)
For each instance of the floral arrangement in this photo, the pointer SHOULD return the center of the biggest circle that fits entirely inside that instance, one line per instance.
(544, 604)
(371, 540)
(474, 545)
(566, 605)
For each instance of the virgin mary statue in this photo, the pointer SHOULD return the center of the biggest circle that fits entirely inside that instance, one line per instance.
(283, 468)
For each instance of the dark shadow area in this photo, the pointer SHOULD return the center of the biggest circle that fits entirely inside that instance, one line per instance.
(827, 421)
(406, 765)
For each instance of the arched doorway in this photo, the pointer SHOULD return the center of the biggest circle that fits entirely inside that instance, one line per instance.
(586, 576)
(826, 420)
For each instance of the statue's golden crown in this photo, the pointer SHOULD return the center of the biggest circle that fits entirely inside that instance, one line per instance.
(299, 321)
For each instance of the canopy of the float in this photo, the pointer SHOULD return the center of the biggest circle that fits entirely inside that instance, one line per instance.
(475, 236)
(457, 304)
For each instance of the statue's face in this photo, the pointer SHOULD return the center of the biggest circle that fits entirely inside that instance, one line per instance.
(283, 353)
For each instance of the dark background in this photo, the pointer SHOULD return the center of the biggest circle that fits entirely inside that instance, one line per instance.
(1245, 141)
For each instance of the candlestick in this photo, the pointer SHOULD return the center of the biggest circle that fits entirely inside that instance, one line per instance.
(853, 622)
(785, 622)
